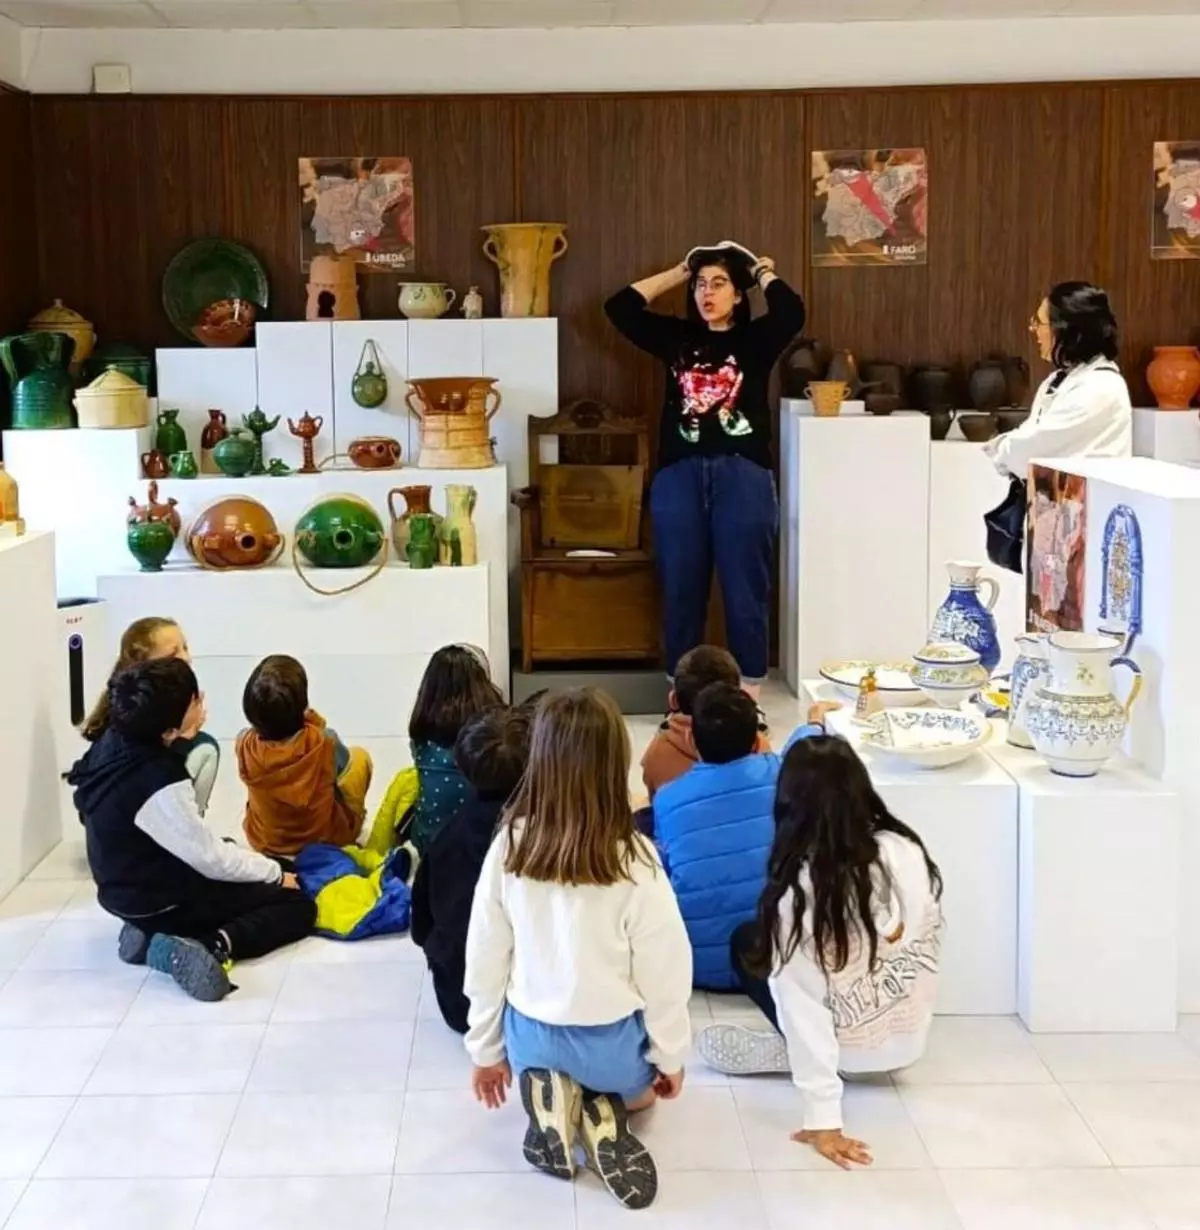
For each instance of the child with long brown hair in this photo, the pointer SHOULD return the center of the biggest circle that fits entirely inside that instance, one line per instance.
(579, 969)
(147, 640)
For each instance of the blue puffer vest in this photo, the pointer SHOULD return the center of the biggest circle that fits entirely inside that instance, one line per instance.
(714, 827)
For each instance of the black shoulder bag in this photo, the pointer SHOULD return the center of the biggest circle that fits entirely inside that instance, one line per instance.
(1006, 528)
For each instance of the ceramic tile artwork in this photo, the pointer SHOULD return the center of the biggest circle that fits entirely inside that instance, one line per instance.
(1056, 550)
(327, 1092)
(1122, 563)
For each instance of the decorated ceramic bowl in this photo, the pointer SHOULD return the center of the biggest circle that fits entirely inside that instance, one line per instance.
(926, 738)
(893, 680)
(948, 673)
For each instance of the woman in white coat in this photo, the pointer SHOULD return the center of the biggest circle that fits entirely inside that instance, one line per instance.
(1082, 408)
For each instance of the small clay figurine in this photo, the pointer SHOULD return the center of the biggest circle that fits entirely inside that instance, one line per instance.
(472, 307)
(278, 468)
(869, 701)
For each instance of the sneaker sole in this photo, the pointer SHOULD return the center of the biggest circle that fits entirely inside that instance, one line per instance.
(132, 945)
(737, 1051)
(551, 1101)
(192, 966)
(617, 1155)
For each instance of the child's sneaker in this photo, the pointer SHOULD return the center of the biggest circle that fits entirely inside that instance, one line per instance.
(615, 1153)
(132, 944)
(736, 1050)
(200, 972)
(551, 1101)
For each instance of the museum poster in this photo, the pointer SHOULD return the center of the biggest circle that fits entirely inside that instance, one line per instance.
(1056, 550)
(358, 207)
(1175, 217)
(869, 207)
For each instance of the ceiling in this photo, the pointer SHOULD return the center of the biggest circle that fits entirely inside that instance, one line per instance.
(444, 14)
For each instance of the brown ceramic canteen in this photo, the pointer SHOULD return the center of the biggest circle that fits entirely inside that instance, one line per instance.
(236, 532)
(374, 452)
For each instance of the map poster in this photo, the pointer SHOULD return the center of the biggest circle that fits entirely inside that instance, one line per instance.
(1057, 546)
(869, 207)
(359, 207)
(1175, 221)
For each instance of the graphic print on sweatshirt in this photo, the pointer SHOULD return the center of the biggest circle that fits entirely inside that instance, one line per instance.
(706, 385)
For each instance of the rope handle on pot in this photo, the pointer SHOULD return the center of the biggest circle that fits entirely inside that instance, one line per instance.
(345, 589)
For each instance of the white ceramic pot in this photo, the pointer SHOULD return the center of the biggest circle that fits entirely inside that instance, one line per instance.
(948, 673)
(1029, 672)
(1075, 719)
(425, 300)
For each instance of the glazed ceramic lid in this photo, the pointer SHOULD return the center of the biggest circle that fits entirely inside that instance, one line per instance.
(58, 316)
(947, 653)
(109, 383)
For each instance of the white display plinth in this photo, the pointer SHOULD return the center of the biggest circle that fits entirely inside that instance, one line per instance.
(77, 483)
(1167, 435)
(963, 485)
(1164, 729)
(1097, 932)
(967, 817)
(854, 559)
(30, 820)
(364, 651)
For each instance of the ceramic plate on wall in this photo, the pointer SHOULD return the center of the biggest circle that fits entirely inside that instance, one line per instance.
(893, 681)
(207, 272)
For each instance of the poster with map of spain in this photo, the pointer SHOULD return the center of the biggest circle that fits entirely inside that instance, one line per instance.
(359, 207)
(869, 207)
(1175, 228)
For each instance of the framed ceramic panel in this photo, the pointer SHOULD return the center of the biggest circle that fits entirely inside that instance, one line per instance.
(1056, 550)
(1121, 574)
(387, 342)
(295, 376)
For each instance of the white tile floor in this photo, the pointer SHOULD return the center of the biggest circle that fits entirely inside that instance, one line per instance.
(327, 1093)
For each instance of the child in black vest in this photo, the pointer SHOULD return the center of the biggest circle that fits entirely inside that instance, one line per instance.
(191, 903)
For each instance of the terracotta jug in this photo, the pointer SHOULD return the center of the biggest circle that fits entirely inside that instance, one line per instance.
(458, 544)
(523, 253)
(1174, 376)
(416, 501)
(154, 464)
(215, 430)
(237, 532)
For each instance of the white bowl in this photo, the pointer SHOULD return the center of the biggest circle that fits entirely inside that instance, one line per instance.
(927, 738)
(893, 680)
(948, 673)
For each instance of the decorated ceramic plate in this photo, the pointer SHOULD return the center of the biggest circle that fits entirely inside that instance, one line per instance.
(893, 680)
(208, 272)
(927, 738)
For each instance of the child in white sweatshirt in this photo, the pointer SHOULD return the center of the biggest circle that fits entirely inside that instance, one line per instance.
(579, 968)
(843, 956)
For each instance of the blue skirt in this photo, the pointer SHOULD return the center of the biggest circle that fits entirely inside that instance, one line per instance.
(601, 1058)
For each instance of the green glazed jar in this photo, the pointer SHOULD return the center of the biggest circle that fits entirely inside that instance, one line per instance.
(340, 531)
(150, 543)
(234, 455)
(170, 436)
(422, 549)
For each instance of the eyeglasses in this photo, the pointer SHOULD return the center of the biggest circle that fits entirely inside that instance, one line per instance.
(1036, 323)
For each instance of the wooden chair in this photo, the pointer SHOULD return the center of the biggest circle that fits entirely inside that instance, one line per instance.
(588, 590)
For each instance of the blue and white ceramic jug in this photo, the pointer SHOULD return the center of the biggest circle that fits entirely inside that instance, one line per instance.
(964, 618)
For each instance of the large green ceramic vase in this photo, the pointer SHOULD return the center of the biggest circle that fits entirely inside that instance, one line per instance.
(42, 388)
(340, 531)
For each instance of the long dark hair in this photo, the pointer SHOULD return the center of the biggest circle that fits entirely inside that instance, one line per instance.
(827, 815)
(738, 269)
(1082, 323)
(456, 687)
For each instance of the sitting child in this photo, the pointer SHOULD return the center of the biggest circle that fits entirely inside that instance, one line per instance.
(714, 825)
(190, 902)
(578, 965)
(672, 751)
(146, 640)
(456, 687)
(491, 752)
(302, 784)
(843, 956)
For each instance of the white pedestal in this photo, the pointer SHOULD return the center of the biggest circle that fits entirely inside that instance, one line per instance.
(967, 817)
(30, 823)
(963, 485)
(1167, 435)
(1097, 931)
(365, 651)
(854, 559)
(1165, 724)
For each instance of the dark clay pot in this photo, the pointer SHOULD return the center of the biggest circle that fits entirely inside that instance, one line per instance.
(932, 388)
(843, 366)
(1016, 372)
(988, 385)
(804, 363)
(939, 423)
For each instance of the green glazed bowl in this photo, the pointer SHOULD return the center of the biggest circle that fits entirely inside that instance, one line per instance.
(207, 272)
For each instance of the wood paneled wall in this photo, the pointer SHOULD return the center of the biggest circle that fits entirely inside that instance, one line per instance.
(18, 241)
(1028, 185)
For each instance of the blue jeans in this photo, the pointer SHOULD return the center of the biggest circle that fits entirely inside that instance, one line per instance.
(722, 511)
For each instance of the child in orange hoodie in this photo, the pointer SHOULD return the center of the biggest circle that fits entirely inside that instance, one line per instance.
(303, 785)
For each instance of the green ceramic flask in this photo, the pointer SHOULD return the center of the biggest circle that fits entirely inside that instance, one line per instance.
(422, 549)
(170, 437)
(340, 531)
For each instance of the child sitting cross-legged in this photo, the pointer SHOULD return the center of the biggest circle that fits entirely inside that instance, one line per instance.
(578, 965)
(302, 784)
(491, 751)
(191, 903)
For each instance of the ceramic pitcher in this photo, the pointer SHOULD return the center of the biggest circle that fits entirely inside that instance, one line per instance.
(1075, 719)
(42, 388)
(1029, 672)
(460, 504)
(966, 619)
(523, 253)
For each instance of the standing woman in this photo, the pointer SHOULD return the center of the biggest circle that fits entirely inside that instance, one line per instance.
(1082, 408)
(713, 498)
